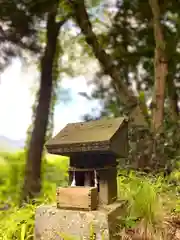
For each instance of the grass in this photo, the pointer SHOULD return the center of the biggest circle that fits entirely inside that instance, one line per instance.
(150, 199)
(18, 223)
(145, 211)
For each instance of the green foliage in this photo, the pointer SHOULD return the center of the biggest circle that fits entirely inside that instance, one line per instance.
(150, 199)
(12, 176)
(146, 196)
(18, 223)
(142, 198)
(17, 24)
(130, 42)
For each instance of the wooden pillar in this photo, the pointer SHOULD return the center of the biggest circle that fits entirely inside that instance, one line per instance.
(107, 186)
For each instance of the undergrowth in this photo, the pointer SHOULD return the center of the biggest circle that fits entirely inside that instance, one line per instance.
(15, 222)
(149, 198)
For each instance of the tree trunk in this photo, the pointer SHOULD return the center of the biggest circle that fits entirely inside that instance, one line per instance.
(173, 99)
(160, 69)
(32, 182)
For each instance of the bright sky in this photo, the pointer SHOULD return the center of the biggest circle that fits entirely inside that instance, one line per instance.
(16, 100)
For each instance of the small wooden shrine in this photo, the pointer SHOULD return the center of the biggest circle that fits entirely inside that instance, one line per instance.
(93, 148)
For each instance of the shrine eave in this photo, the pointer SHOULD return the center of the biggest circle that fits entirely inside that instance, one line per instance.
(67, 149)
(100, 136)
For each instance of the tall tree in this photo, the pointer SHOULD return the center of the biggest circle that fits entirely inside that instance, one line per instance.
(160, 68)
(131, 44)
(123, 92)
(56, 75)
(131, 52)
(32, 182)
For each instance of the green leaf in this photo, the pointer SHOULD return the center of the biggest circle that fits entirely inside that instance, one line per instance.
(23, 231)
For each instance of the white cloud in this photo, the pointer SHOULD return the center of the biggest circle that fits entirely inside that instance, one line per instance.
(16, 100)
(79, 106)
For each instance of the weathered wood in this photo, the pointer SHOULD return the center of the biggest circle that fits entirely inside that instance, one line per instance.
(77, 198)
(93, 136)
(92, 160)
(107, 186)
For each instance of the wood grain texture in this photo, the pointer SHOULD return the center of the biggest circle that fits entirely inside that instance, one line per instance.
(77, 198)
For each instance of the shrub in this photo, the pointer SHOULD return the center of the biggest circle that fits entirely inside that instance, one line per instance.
(145, 211)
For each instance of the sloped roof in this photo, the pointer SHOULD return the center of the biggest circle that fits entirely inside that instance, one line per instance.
(86, 133)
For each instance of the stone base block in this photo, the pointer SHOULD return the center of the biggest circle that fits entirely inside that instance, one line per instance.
(55, 224)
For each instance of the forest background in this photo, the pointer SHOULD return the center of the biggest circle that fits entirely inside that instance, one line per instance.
(133, 49)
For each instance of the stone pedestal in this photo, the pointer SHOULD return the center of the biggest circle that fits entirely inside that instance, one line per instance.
(52, 223)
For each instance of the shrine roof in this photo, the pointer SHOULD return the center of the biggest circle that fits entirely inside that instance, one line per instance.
(86, 133)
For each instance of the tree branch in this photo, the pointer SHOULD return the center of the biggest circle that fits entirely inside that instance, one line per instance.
(105, 60)
(82, 19)
(14, 39)
(61, 23)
